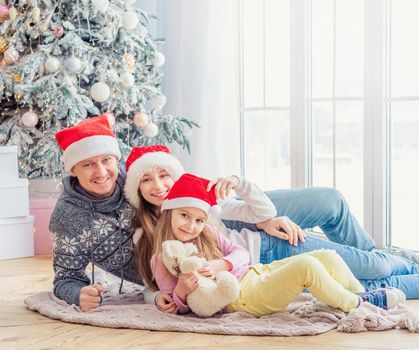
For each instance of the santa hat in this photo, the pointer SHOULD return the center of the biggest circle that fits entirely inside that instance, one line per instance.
(191, 191)
(143, 159)
(89, 138)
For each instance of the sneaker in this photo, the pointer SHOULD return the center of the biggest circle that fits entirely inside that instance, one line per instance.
(386, 298)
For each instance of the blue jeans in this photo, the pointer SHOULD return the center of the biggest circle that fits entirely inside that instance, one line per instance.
(373, 269)
(328, 209)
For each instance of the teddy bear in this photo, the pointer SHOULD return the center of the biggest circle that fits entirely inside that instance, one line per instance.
(211, 296)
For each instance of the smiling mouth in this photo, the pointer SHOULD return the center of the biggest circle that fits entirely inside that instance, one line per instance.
(160, 194)
(101, 182)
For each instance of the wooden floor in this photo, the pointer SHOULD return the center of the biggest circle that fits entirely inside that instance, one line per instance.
(24, 329)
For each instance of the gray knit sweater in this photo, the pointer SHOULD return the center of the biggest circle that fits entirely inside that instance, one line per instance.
(89, 229)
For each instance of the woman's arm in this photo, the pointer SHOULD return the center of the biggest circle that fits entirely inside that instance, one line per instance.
(254, 207)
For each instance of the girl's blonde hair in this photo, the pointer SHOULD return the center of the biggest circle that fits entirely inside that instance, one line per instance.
(206, 242)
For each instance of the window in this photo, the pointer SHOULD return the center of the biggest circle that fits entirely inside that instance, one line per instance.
(265, 92)
(330, 97)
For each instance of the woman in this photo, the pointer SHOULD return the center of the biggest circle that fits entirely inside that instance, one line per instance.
(151, 172)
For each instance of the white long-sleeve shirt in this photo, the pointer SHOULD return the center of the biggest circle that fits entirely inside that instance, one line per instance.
(254, 207)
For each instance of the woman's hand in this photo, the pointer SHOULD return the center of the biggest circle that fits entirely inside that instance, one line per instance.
(90, 297)
(224, 185)
(186, 284)
(165, 303)
(282, 227)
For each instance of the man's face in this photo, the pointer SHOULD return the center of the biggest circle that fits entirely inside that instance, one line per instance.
(97, 175)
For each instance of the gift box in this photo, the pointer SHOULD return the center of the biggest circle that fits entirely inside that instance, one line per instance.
(41, 209)
(14, 198)
(16, 238)
(8, 161)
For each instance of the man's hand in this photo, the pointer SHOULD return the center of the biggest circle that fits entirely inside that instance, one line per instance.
(165, 303)
(90, 297)
(224, 185)
(282, 227)
(186, 284)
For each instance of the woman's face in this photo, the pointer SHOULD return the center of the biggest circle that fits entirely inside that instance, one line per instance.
(155, 184)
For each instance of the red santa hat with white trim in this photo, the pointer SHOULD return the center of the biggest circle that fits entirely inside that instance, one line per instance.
(191, 191)
(89, 138)
(146, 158)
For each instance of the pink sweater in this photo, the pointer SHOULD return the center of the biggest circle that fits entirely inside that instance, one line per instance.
(237, 256)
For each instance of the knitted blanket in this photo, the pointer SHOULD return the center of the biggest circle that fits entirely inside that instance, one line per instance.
(305, 316)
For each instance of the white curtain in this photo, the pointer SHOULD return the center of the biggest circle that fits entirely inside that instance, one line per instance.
(201, 80)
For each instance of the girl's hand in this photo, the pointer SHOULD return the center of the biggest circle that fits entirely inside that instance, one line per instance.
(207, 272)
(282, 227)
(186, 284)
(212, 267)
(224, 185)
(165, 303)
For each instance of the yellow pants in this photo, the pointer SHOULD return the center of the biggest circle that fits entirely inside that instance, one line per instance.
(266, 289)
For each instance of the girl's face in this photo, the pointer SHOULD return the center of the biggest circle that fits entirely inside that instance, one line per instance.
(188, 223)
(155, 184)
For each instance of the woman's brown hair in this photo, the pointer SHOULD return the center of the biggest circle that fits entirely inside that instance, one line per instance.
(147, 218)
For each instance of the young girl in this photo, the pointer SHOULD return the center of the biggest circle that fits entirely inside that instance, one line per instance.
(151, 172)
(265, 289)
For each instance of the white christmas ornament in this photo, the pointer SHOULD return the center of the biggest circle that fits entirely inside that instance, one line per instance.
(127, 79)
(29, 119)
(157, 102)
(101, 5)
(129, 20)
(100, 92)
(73, 65)
(158, 59)
(11, 55)
(140, 119)
(150, 130)
(52, 64)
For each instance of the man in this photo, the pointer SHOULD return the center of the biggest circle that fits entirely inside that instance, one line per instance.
(92, 221)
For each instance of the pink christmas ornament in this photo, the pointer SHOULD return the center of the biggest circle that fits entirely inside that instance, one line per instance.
(58, 30)
(140, 119)
(29, 119)
(4, 12)
(111, 118)
(11, 55)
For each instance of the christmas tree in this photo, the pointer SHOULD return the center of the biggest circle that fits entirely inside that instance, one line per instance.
(67, 60)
